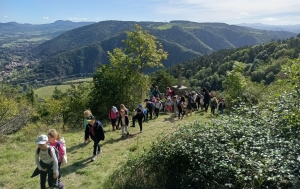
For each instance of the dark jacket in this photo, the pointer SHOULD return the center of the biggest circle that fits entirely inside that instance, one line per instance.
(126, 120)
(139, 116)
(150, 105)
(98, 130)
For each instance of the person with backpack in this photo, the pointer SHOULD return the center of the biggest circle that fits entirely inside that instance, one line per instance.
(158, 106)
(155, 92)
(113, 116)
(182, 106)
(46, 161)
(53, 137)
(213, 105)
(86, 114)
(95, 130)
(221, 105)
(150, 108)
(207, 98)
(124, 120)
(139, 116)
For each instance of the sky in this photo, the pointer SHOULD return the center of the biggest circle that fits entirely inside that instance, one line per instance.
(272, 12)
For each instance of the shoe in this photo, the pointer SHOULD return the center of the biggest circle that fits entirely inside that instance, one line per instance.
(141, 131)
(93, 158)
(60, 185)
(98, 152)
(132, 126)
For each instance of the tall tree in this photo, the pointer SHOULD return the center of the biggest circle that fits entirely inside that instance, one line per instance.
(143, 50)
(123, 81)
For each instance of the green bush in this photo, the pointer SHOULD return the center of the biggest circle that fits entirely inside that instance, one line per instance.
(250, 148)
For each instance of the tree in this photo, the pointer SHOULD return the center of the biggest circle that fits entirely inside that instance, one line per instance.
(162, 79)
(142, 50)
(234, 83)
(123, 81)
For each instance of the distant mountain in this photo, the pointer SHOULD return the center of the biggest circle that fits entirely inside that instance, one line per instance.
(34, 34)
(80, 50)
(290, 28)
(60, 25)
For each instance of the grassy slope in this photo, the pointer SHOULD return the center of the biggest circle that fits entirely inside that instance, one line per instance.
(17, 154)
(46, 92)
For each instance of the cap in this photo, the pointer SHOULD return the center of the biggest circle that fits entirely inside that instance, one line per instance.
(42, 139)
(90, 118)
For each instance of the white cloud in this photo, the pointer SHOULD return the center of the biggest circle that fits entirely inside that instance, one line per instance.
(244, 13)
(229, 10)
(269, 19)
(76, 19)
(45, 17)
(5, 16)
(238, 17)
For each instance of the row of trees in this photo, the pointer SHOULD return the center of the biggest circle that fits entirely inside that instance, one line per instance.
(263, 63)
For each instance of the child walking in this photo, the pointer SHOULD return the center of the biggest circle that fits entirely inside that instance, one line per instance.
(46, 161)
(86, 114)
(124, 120)
(113, 115)
(140, 116)
(95, 130)
(53, 137)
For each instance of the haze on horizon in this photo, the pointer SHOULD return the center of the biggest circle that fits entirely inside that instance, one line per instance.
(272, 12)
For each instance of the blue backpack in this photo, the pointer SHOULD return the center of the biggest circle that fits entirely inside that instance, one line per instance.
(144, 111)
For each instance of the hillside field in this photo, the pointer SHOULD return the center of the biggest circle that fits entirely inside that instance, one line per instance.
(17, 153)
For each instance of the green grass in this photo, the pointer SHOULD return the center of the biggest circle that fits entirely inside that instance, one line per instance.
(164, 27)
(17, 154)
(46, 92)
(79, 80)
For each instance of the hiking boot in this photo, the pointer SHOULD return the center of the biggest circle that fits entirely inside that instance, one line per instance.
(132, 126)
(141, 131)
(127, 133)
(94, 157)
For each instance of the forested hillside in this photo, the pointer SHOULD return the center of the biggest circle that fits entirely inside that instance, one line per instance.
(63, 56)
(263, 63)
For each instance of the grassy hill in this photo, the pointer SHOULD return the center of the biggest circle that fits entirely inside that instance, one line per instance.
(46, 92)
(17, 157)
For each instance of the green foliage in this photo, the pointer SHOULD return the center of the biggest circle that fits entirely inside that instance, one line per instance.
(123, 81)
(15, 111)
(263, 64)
(65, 107)
(234, 83)
(162, 79)
(143, 50)
(251, 148)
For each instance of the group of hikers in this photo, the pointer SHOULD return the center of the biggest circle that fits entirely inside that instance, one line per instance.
(51, 151)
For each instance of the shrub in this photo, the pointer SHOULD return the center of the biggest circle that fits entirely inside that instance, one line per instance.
(250, 148)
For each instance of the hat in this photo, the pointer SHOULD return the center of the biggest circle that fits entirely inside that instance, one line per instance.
(90, 118)
(42, 139)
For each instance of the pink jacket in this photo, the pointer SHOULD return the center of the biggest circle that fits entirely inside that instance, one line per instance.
(112, 114)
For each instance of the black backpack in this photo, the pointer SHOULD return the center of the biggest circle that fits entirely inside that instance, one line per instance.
(49, 150)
